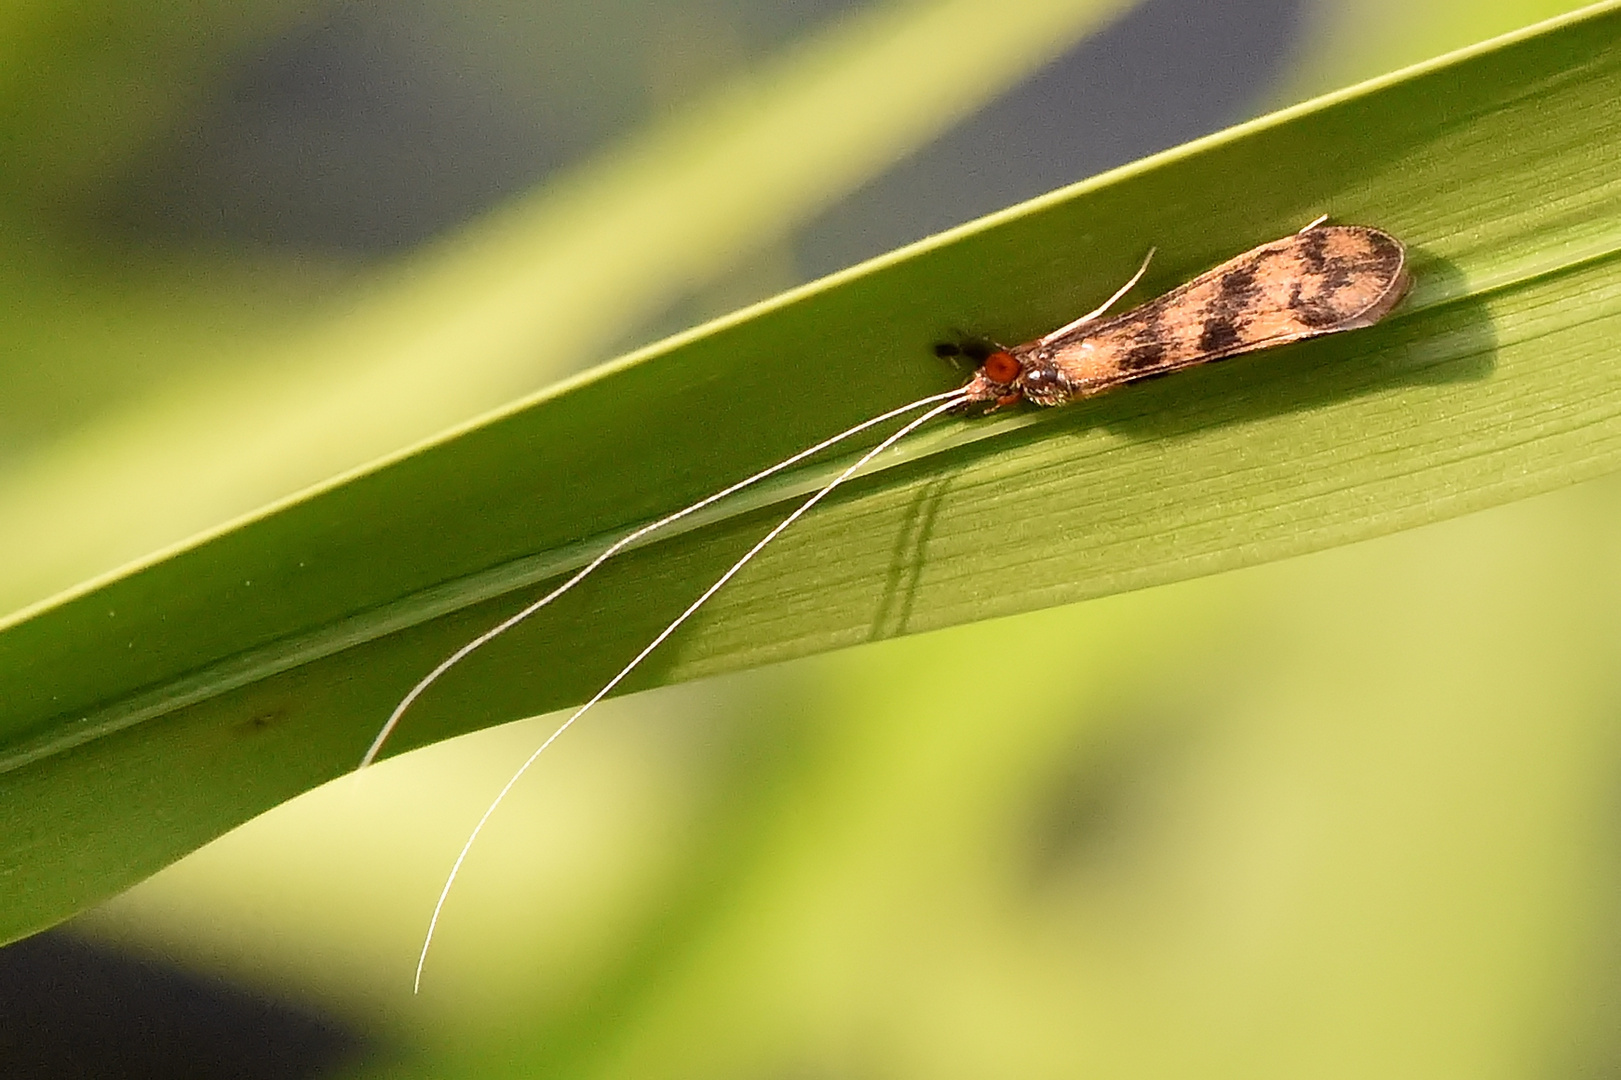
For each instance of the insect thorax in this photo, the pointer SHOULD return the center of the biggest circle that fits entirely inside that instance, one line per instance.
(1042, 381)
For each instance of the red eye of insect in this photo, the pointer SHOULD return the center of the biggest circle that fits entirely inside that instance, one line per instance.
(1001, 367)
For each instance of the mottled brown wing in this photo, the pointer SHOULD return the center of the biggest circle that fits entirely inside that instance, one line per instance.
(1326, 279)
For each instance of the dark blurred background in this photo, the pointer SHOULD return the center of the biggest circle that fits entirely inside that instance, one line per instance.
(379, 126)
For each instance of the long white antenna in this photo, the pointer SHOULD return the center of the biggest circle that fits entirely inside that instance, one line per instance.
(495, 631)
(1048, 339)
(951, 400)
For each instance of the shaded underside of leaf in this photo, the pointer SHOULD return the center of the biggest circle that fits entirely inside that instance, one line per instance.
(153, 712)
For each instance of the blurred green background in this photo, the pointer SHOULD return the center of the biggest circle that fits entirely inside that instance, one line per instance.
(1354, 813)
